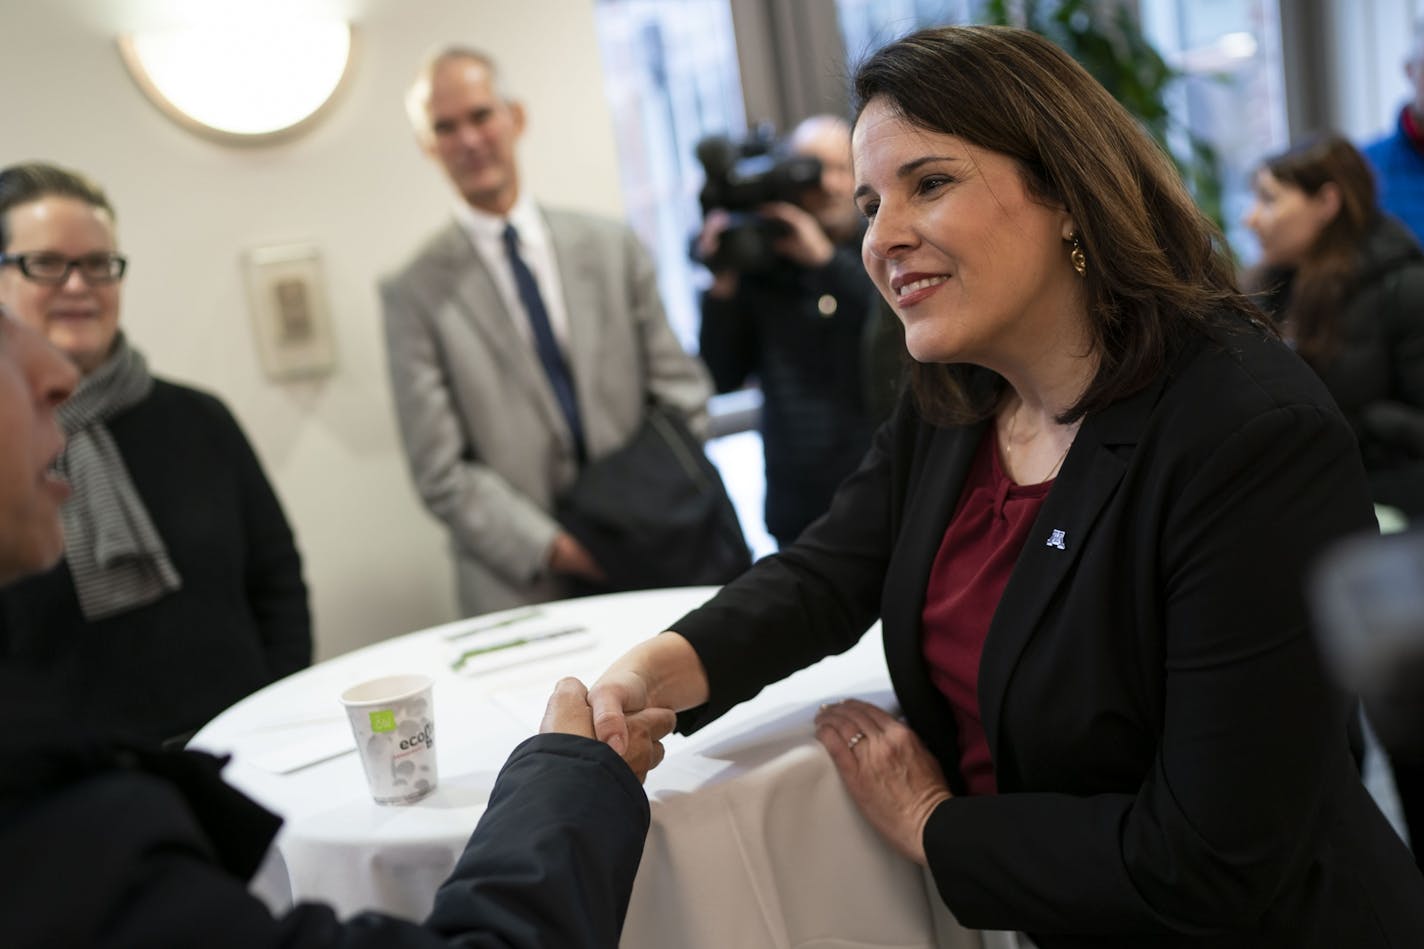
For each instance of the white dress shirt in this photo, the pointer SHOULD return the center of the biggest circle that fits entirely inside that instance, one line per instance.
(486, 233)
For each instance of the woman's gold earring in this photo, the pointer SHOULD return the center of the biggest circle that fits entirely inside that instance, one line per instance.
(1078, 259)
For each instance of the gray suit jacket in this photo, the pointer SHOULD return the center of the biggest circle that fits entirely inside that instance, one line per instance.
(487, 445)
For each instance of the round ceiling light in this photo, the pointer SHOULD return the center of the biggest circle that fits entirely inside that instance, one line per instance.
(245, 80)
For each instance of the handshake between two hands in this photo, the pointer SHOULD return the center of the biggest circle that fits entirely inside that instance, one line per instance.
(892, 777)
(570, 712)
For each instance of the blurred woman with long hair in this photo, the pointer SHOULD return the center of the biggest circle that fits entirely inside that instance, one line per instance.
(1345, 282)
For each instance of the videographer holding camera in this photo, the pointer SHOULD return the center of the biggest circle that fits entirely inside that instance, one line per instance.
(789, 306)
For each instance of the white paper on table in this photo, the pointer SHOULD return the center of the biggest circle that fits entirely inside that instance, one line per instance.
(787, 723)
(318, 746)
(525, 702)
(519, 655)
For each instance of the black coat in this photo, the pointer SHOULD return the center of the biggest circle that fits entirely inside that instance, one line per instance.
(800, 332)
(1376, 373)
(111, 844)
(240, 620)
(1171, 758)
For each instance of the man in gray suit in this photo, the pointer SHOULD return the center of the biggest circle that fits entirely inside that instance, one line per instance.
(523, 341)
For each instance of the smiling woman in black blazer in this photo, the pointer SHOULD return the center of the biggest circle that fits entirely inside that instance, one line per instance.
(1084, 531)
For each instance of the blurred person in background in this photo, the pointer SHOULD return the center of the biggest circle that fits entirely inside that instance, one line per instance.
(181, 588)
(797, 322)
(1345, 283)
(1398, 158)
(523, 343)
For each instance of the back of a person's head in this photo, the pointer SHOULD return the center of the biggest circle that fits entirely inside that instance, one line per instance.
(31, 181)
(1155, 262)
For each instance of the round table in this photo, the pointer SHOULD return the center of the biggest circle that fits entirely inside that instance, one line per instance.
(754, 840)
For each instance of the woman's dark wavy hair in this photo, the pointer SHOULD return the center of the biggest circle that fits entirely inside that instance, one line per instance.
(1157, 269)
(1328, 275)
(31, 181)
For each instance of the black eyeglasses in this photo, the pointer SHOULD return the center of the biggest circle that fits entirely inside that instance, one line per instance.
(53, 269)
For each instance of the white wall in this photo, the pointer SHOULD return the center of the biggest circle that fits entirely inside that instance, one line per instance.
(357, 187)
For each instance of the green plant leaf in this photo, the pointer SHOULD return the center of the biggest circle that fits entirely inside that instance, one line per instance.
(1113, 49)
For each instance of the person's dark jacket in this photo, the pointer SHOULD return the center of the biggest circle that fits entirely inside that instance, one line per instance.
(241, 618)
(1170, 754)
(114, 844)
(800, 333)
(1376, 373)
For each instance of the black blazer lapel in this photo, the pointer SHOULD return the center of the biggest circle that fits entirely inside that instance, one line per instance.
(1089, 477)
(936, 480)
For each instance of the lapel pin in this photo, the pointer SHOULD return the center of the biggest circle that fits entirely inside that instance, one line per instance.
(1056, 540)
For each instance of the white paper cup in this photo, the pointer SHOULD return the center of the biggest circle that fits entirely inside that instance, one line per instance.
(393, 719)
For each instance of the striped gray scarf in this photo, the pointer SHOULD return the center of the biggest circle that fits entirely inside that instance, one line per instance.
(114, 552)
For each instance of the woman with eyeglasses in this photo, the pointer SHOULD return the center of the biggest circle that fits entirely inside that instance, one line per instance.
(181, 590)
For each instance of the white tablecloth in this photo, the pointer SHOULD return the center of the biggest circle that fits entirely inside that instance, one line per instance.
(754, 841)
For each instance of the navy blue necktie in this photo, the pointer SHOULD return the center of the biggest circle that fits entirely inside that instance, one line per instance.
(547, 346)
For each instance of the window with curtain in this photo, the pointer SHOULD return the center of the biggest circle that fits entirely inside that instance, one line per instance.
(671, 75)
(1232, 95)
(867, 25)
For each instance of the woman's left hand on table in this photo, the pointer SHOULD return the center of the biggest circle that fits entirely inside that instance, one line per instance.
(890, 774)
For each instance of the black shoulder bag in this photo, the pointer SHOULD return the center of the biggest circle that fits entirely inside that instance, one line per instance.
(655, 513)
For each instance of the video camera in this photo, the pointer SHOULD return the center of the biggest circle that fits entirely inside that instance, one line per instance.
(742, 176)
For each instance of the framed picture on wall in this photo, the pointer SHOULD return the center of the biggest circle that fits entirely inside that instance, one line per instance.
(287, 296)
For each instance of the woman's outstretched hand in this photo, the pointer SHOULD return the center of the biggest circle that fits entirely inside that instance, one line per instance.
(890, 774)
(651, 681)
(569, 712)
(618, 694)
